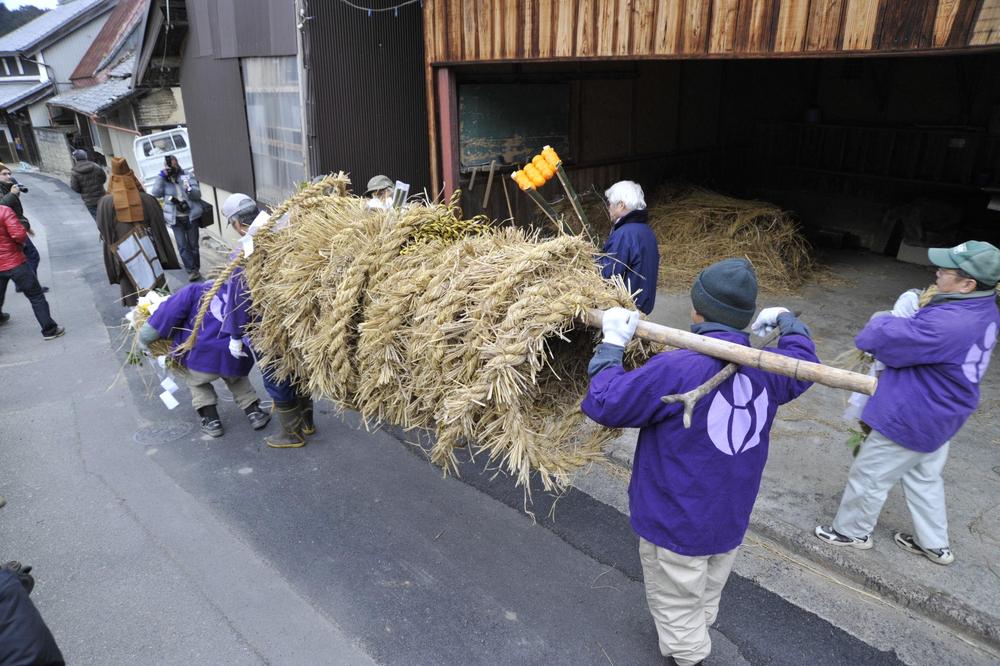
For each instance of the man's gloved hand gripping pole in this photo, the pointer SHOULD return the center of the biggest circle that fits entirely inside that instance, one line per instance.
(620, 326)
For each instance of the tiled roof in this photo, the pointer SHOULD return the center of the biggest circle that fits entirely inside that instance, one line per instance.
(100, 96)
(12, 93)
(36, 32)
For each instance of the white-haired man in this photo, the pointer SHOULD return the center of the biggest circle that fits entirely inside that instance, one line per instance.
(631, 249)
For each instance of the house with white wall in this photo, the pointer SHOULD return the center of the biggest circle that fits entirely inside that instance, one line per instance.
(38, 60)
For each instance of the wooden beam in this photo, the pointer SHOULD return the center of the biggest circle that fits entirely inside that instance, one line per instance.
(447, 103)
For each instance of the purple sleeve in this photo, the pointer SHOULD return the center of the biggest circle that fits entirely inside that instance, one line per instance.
(172, 313)
(237, 314)
(620, 399)
(900, 342)
(794, 345)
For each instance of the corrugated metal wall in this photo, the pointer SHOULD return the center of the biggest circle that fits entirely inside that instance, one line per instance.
(368, 97)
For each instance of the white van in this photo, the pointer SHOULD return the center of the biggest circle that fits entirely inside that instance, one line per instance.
(150, 150)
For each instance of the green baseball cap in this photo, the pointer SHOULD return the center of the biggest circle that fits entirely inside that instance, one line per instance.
(979, 259)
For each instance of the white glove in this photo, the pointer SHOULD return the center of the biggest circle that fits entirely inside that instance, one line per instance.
(906, 305)
(767, 320)
(619, 325)
(236, 348)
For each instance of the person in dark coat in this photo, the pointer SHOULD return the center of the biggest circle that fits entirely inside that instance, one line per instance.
(87, 179)
(125, 206)
(631, 250)
(24, 637)
(10, 196)
(182, 211)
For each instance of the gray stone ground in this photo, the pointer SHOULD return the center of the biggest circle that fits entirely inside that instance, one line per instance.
(809, 461)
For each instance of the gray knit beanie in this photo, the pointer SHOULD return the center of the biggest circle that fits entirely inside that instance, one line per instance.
(726, 292)
(79, 155)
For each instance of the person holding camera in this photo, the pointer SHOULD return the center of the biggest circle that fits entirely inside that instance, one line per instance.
(182, 210)
(10, 196)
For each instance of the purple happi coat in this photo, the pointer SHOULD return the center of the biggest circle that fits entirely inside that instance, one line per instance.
(174, 319)
(236, 314)
(692, 490)
(934, 363)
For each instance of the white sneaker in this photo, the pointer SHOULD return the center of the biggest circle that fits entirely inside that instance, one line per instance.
(834, 538)
(942, 556)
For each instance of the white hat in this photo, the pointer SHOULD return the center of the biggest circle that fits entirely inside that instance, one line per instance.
(238, 204)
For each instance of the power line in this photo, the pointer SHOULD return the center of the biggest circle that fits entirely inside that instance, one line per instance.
(372, 10)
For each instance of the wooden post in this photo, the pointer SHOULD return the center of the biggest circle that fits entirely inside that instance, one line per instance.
(748, 356)
(447, 98)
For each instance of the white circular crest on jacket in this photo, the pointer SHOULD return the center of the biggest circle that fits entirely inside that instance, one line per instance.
(218, 305)
(977, 359)
(736, 427)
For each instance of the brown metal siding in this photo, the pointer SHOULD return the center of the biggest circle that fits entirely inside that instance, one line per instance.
(368, 92)
(217, 120)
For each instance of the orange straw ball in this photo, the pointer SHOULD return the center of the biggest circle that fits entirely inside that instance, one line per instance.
(551, 156)
(534, 174)
(522, 180)
(546, 170)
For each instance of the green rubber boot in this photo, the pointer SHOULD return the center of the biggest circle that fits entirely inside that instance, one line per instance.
(290, 418)
(308, 425)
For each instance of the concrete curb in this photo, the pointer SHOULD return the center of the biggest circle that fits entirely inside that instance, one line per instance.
(895, 586)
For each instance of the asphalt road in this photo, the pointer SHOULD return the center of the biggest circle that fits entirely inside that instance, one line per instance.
(153, 544)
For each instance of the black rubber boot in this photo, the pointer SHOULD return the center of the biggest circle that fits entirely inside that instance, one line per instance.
(290, 417)
(211, 424)
(308, 425)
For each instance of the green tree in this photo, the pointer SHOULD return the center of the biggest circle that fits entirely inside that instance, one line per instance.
(12, 20)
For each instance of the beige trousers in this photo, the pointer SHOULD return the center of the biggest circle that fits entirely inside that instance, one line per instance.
(683, 595)
(203, 394)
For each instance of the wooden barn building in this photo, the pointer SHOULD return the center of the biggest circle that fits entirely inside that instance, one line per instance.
(845, 111)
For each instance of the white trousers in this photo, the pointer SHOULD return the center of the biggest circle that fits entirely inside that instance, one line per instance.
(879, 465)
(683, 595)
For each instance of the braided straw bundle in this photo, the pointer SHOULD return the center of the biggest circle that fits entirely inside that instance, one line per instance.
(421, 319)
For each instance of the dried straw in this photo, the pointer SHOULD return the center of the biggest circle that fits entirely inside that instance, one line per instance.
(697, 227)
(422, 319)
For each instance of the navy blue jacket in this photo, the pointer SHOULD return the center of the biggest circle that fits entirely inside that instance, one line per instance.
(633, 254)
(24, 638)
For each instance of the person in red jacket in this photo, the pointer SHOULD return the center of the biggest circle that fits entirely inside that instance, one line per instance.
(14, 267)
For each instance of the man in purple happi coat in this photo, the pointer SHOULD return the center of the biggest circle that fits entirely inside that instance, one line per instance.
(209, 359)
(692, 490)
(934, 362)
(294, 410)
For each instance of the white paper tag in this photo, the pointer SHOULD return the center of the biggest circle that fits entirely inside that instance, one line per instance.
(258, 223)
(169, 400)
(247, 244)
(169, 385)
(161, 361)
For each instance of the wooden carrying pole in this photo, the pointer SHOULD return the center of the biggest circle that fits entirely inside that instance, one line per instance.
(748, 356)
(574, 201)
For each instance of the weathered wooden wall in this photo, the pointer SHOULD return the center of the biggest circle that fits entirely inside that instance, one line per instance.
(463, 31)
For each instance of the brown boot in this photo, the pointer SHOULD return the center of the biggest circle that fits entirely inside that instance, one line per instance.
(290, 417)
(308, 425)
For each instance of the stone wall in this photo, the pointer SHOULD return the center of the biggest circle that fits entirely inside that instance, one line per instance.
(54, 150)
